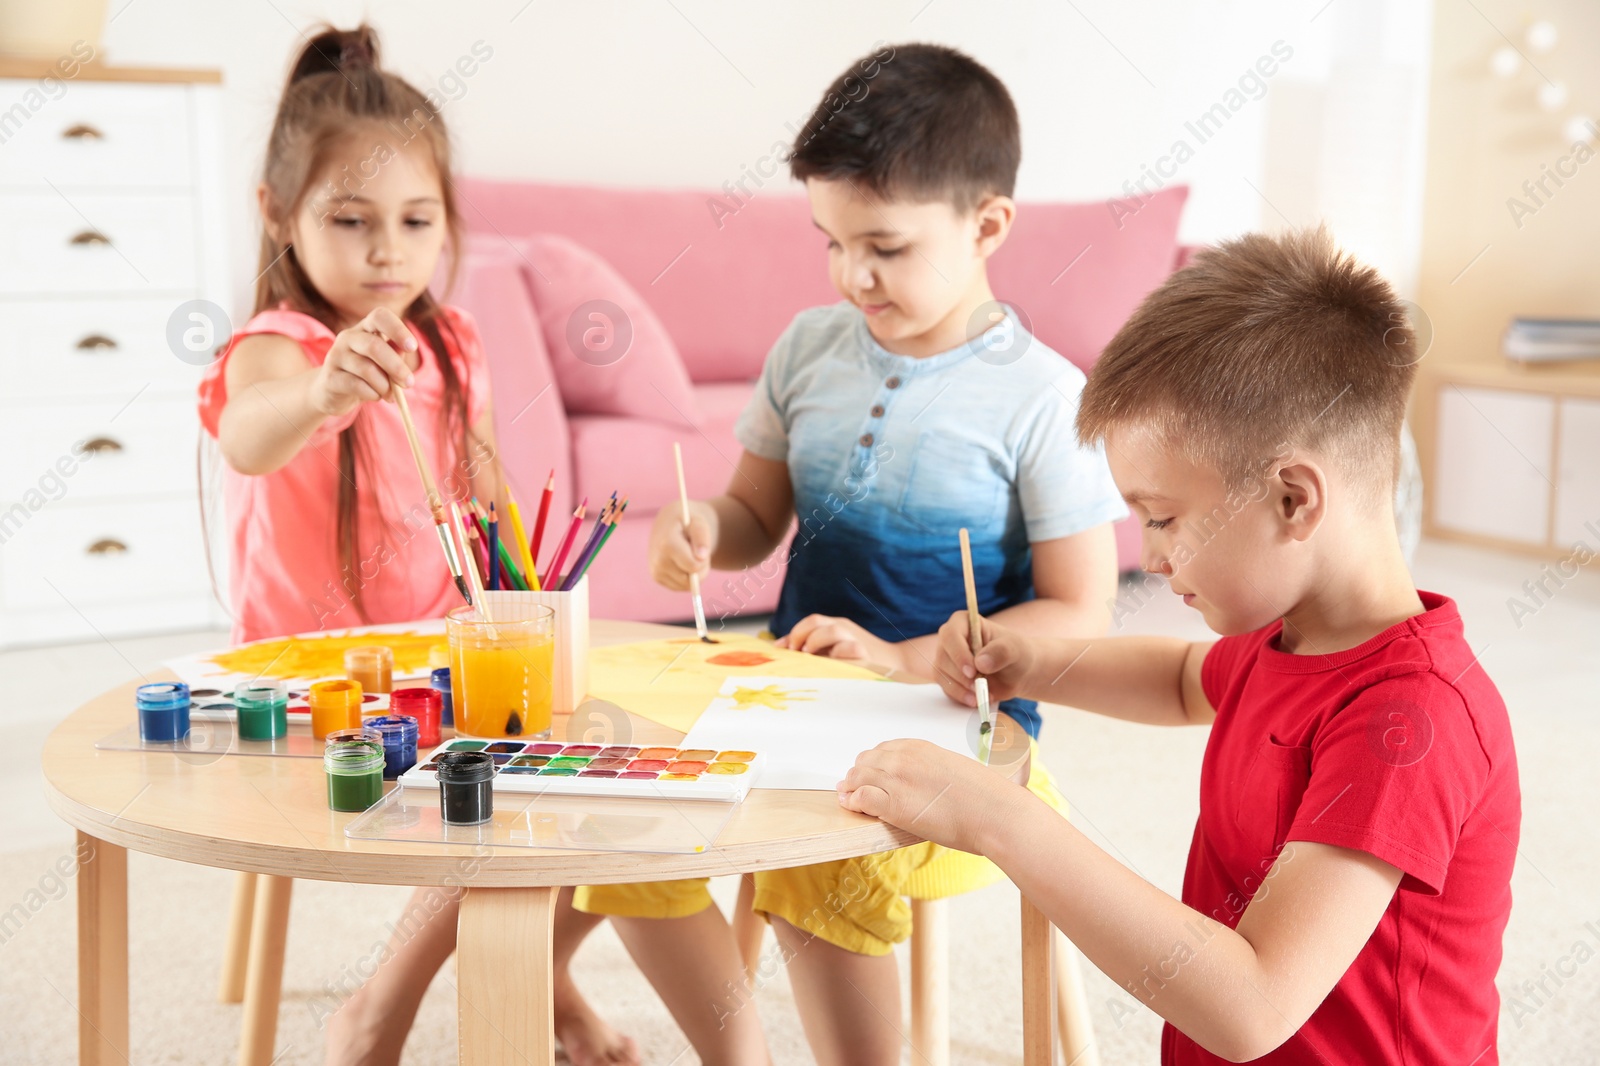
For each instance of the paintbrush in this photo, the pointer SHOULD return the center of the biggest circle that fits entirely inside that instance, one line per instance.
(478, 598)
(694, 578)
(980, 685)
(452, 560)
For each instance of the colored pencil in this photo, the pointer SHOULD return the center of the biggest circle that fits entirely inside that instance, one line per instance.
(434, 503)
(566, 544)
(590, 546)
(598, 548)
(544, 513)
(521, 534)
(975, 638)
(494, 549)
(511, 577)
(694, 578)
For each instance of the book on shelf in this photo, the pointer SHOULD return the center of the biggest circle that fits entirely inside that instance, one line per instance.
(1539, 340)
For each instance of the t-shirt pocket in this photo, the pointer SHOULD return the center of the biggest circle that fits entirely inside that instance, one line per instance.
(952, 483)
(1270, 798)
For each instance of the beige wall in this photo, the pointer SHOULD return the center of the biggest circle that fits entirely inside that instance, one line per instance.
(1486, 137)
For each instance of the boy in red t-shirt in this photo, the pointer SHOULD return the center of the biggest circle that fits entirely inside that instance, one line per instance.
(1349, 879)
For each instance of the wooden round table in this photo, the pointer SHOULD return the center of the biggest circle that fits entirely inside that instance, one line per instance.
(269, 816)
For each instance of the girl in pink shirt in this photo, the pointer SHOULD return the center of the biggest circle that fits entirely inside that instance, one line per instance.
(330, 526)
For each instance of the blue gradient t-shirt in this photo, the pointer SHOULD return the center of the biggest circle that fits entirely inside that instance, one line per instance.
(890, 455)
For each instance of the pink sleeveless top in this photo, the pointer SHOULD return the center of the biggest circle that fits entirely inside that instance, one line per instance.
(284, 570)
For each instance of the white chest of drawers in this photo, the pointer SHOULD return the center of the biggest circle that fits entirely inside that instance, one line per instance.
(110, 220)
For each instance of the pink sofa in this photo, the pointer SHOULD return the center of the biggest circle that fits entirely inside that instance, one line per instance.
(723, 280)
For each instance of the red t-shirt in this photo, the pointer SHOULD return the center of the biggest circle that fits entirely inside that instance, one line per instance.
(1400, 748)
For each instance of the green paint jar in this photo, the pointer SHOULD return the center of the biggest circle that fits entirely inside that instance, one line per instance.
(353, 760)
(262, 709)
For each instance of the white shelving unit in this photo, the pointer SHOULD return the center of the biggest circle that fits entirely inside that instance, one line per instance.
(110, 221)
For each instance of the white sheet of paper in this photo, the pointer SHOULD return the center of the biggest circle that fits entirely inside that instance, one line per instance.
(812, 729)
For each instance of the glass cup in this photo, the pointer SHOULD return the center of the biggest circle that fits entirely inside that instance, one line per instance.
(500, 671)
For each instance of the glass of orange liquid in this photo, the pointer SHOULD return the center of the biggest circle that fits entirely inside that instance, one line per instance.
(501, 671)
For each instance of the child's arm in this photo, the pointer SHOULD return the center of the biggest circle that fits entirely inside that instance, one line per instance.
(277, 398)
(1238, 993)
(1074, 579)
(1155, 680)
(740, 528)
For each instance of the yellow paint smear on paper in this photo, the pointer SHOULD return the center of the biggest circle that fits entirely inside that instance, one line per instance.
(767, 696)
(322, 656)
(672, 681)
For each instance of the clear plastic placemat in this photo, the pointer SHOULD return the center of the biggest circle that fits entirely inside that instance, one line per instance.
(210, 739)
(526, 820)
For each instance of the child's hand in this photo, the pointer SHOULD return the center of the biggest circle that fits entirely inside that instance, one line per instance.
(1004, 657)
(364, 364)
(674, 553)
(937, 794)
(840, 638)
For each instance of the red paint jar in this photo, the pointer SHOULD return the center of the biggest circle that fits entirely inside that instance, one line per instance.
(426, 705)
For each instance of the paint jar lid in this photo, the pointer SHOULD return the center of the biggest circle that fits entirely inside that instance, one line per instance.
(368, 656)
(162, 696)
(465, 767)
(441, 679)
(355, 738)
(337, 693)
(355, 757)
(260, 696)
(395, 728)
(416, 702)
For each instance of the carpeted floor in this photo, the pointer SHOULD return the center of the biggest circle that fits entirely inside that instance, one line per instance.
(1133, 789)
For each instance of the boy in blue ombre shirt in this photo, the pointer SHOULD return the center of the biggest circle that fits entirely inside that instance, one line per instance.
(885, 423)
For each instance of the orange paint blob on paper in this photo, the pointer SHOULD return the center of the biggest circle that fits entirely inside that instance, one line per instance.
(739, 658)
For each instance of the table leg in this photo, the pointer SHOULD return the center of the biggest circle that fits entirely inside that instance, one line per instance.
(263, 984)
(504, 984)
(1038, 993)
(102, 952)
(236, 951)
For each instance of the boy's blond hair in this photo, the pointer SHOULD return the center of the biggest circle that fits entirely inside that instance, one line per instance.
(1263, 343)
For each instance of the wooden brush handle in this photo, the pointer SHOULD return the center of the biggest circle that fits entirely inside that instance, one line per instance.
(974, 619)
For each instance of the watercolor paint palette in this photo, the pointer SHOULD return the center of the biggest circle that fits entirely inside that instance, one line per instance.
(625, 771)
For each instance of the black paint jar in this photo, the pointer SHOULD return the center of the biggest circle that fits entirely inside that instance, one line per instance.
(466, 790)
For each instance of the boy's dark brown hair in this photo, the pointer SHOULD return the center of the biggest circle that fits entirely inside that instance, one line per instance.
(1260, 343)
(916, 122)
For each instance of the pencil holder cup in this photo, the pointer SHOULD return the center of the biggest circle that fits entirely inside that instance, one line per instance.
(570, 670)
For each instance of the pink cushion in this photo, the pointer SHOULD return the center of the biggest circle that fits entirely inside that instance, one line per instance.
(610, 353)
(530, 424)
(724, 284)
(633, 456)
(1075, 272)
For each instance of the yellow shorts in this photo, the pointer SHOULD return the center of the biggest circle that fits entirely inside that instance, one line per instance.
(857, 904)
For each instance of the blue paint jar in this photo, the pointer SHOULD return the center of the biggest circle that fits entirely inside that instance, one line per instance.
(399, 735)
(441, 681)
(163, 711)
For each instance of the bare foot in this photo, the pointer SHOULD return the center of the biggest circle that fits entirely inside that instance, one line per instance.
(357, 1036)
(584, 1035)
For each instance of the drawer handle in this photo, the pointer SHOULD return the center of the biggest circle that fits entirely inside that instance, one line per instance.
(107, 546)
(82, 132)
(96, 342)
(90, 236)
(101, 445)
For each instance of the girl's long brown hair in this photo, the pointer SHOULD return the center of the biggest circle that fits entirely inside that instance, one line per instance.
(337, 90)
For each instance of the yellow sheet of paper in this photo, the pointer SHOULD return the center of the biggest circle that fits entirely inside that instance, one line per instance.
(672, 681)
